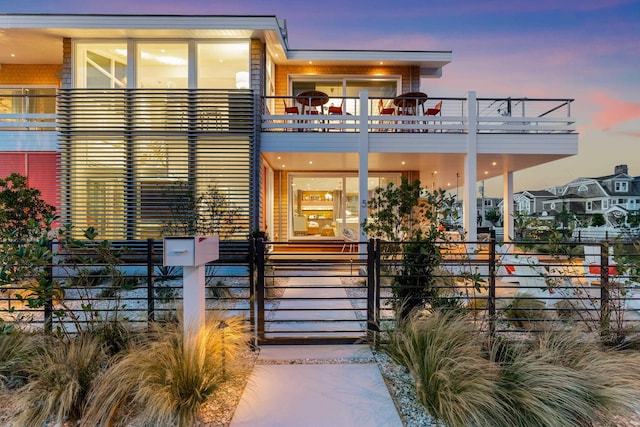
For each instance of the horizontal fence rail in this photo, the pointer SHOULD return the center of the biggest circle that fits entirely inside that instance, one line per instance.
(125, 281)
(312, 292)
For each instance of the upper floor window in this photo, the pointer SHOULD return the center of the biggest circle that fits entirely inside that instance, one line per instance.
(621, 186)
(605, 204)
(383, 88)
(583, 188)
(162, 65)
(589, 206)
(101, 65)
(167, 64)
(224, 65)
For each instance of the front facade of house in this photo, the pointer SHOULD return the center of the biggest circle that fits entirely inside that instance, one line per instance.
(119, 118)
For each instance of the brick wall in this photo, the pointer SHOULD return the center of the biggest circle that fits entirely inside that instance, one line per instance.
(30, 74)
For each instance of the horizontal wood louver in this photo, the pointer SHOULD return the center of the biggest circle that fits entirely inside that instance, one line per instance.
(132, 159)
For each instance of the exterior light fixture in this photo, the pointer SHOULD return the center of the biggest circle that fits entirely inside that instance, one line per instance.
(242, 80)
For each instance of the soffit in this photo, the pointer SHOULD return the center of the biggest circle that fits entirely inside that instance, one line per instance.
(38, 38)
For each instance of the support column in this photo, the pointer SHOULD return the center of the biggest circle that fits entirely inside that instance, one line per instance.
(507, 206)
(363, 166)
(469, 197)
(193, 299)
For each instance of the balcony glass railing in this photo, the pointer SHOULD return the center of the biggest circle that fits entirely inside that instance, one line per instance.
(27, 111)
(451, 115)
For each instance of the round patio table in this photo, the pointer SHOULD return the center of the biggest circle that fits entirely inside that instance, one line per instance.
(312, 98)
(410, 101)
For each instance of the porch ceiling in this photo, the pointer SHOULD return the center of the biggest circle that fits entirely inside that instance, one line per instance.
(435, 169)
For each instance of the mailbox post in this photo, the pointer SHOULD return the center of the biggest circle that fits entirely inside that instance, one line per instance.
(192, 253)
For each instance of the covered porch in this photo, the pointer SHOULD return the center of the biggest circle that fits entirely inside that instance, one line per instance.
(488, 138)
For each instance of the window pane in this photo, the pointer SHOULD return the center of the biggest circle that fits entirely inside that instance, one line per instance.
(163, 65)
(223, 65)
(101, 65)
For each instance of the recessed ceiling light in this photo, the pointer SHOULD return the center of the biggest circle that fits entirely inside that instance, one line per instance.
(495, 163)
(282, 166)
(381, 63)
(403, 163)
(310, 62)
(279, 157)
(13, 55)
(310, 162)
(486, 172)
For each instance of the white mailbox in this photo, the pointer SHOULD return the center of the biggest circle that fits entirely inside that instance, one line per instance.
(190, 251)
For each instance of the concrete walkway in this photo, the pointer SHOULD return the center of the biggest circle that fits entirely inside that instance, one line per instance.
(316, 386)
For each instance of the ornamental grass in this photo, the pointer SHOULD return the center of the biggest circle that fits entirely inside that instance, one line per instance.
(555, 378)
(165, 380)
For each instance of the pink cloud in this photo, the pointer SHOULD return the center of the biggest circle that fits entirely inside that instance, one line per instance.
(612, 112)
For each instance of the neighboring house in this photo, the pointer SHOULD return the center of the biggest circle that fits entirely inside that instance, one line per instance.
(613, 196)
(484, 205)
(531, 202)
(124, 114)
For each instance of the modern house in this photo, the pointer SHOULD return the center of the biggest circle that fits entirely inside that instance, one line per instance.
(116, 117)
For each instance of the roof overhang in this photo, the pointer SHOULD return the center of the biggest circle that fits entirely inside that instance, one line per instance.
(33, 38)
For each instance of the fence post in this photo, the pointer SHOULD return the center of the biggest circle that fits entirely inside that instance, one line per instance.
(373, 268)
(605, 300)
(48, 302)
(252, 284)
(260, 289)
(151, 308)
(491, 302)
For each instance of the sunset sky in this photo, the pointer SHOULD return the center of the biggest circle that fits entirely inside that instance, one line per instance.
(588, 50)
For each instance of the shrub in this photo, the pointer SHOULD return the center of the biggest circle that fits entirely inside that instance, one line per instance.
(526, 312)
(164, 380)
(60, 378)
(453, 379)
(16, 347)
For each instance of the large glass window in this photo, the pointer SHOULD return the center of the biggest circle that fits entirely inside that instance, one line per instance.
(322, 205)
(223, 65)
(163, 65)
(101, 65)
(384, 89)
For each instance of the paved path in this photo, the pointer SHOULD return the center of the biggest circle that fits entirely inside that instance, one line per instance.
(316, 386)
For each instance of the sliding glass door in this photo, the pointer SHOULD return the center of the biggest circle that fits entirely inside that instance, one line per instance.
(322, 206)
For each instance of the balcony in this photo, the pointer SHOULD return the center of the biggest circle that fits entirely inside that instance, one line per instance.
(27, 122)
(489, 116)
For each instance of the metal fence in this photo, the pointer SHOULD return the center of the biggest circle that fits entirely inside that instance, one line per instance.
(336, 291)
(125, 280)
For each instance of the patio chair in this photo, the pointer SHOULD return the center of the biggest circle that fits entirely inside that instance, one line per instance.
(350, 238)
(299, 225)
(291, 110)
(435, 111)
(385, 111)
